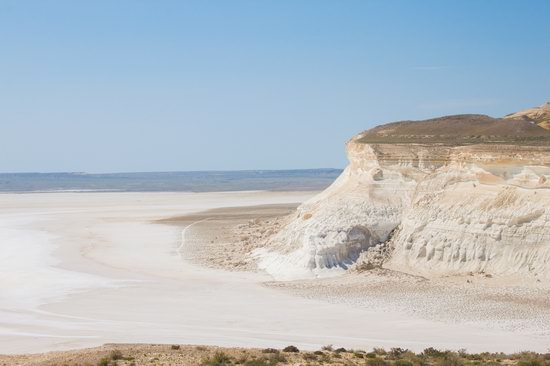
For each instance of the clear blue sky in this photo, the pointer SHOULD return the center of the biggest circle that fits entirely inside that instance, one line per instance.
(103, 86)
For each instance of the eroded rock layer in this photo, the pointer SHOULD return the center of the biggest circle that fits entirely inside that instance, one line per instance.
(444, 208)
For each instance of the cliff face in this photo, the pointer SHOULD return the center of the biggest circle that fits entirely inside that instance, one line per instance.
(442, 208)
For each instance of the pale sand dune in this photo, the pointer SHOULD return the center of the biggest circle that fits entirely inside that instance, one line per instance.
(102, 271)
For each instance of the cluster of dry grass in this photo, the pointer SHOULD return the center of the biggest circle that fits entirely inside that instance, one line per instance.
(172, 355)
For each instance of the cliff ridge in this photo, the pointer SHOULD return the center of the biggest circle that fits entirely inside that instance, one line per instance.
(444, 196)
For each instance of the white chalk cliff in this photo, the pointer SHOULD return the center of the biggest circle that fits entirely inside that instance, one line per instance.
(448, 196)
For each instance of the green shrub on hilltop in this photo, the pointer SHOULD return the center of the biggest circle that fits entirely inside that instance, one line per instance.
(111, 359)
(105, 361)
(493, 363)
(272, 360)
(257, 362)
(450, 359)
(219, 359)
(291, 349)
(396, 352)
(402, 363)
(376, 362)
(534, 361)
(432, 352)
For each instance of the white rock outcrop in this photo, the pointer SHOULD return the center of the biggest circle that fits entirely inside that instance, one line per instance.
(444, 209)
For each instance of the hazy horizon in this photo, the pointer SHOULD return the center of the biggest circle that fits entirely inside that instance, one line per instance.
(169, 171)
(198, 181)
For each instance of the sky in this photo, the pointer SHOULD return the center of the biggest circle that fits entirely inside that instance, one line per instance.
(159, 85)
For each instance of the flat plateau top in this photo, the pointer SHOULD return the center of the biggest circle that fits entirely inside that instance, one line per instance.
(458, 130)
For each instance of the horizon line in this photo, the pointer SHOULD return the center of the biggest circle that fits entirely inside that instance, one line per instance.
(169, 171)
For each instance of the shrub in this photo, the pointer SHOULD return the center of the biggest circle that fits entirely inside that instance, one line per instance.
(325, 358)
(257, 362)
(403, 363)
(531, 362)
(219, 359)
(376, 362)
(113, 356)
(379, 351)
(270, 350)
(292, 349)
(241, 360)
(532, 359)
(318, 353)
(175, 347)
(309, 357)
(432, 352)
(397, 352)
(116, 355)
(524, 355)
(371, 355)
(340, 350)
(272, 360)
(450, 359)
(105, 361)
(276, 358)
(328, 347)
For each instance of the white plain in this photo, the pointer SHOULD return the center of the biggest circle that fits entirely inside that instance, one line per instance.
(83, 269)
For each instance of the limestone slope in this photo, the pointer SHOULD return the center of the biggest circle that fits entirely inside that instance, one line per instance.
(539, 115)
(476, 203)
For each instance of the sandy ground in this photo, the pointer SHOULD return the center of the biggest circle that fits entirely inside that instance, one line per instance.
(479, 301)
(222, 238)
(151, 355)
(84, 269)
(193, 355)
